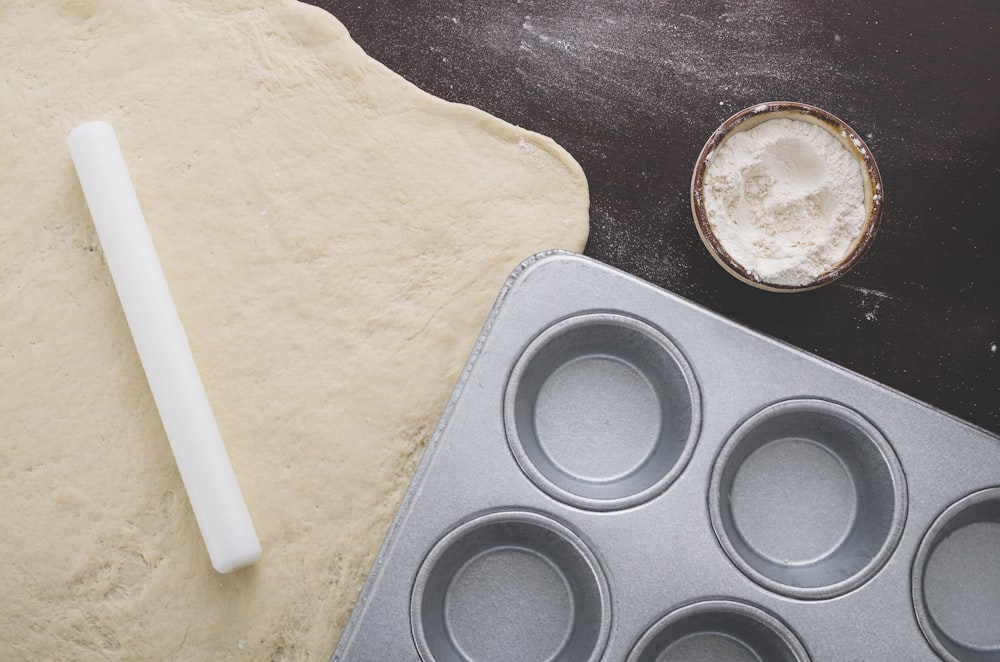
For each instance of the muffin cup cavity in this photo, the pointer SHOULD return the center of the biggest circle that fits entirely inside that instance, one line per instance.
(718, 630)
(602, 411)
(808, 499)
(956, 580)
(510, 585)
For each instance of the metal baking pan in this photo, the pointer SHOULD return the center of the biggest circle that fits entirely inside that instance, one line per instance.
(624, 475)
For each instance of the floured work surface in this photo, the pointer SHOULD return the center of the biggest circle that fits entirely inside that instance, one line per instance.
(333, 239)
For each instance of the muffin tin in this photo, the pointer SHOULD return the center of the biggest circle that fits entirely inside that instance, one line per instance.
(623, 475)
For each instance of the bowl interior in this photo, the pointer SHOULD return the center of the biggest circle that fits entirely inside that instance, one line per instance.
(753, 116)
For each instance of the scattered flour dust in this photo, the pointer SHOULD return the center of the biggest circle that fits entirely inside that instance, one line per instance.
(786, 199)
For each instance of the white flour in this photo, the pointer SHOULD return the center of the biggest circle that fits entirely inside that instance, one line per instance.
(786, 199)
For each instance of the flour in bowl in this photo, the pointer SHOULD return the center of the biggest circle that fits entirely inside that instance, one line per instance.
(786, 199)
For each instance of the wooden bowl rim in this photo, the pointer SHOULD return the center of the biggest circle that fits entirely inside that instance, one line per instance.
(752, 116)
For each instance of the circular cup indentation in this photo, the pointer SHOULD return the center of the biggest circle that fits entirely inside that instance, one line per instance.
(512, 585)
(718, 630)
(808, 499)
(956, 580)
(602, 411)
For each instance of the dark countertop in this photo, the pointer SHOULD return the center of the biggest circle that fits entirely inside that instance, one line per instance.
(633, 89)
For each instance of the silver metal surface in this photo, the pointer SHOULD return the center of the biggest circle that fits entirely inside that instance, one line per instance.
(808, 498)
(503, 559)
(623, 475)
(717, 631)
(602, 411)
(956, 580)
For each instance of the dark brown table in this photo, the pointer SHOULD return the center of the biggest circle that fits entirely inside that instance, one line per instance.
(633, 89)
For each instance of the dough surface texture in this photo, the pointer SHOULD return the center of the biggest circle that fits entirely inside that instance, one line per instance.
(333, 238)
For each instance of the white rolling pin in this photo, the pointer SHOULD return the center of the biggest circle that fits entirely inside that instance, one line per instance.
(163, 348)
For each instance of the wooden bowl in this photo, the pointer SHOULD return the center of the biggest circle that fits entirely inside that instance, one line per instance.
(751, 117)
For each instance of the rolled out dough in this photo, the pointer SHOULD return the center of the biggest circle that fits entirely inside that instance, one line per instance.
(333, 238)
